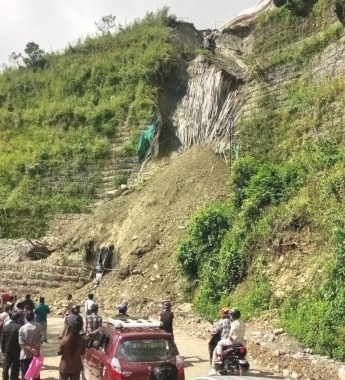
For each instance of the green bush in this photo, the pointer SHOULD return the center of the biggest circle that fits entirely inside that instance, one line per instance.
(253, 298)
(266, 187)
(339, 9)
(301, 7)
(306, 318)
(279, 3)
(206, 231)
(242, 172)
(121, 179)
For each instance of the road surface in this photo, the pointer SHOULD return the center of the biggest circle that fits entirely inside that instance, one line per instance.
(194, 352)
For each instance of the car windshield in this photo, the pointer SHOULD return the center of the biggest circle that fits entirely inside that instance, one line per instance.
(146, 350)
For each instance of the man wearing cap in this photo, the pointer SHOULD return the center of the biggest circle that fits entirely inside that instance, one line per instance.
(122, 310)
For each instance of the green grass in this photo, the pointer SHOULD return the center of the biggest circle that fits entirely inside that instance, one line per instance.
(56, 124)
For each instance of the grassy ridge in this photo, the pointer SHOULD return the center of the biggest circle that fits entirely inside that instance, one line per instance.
(56, 124)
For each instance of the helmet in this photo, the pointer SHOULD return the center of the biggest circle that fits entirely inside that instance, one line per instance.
(234, 313)
(122, 308)
(75, 309)
(224, 311)
(166, 305)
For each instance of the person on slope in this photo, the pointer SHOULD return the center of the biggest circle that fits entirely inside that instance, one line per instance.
(236, 336)
(220, 331)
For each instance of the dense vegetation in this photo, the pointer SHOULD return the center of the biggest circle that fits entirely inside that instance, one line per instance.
(285, 214)
(60, 112)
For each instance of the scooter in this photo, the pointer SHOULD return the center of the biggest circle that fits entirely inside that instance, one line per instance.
(234, 361)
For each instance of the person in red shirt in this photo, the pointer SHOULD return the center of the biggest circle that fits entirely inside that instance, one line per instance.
(5, 297)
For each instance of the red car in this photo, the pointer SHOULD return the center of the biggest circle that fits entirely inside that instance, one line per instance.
(129, 349)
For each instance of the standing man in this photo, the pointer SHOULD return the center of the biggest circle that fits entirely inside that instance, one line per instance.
(26, 302)
(88, 304)
(88, 307)
(166, 317)
(93, 320)
(30, 340)
(41, 311)
(74, 319)
(10, 347)
(66, 311)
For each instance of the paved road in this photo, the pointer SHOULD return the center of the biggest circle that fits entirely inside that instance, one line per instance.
(194, 352)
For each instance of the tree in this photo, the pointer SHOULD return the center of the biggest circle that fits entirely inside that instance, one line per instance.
(279, 3)
(14, 59)
(106, 25)
(35, 56)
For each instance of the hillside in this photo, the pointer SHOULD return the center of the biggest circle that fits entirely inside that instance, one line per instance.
(146, 224)
(243, 183)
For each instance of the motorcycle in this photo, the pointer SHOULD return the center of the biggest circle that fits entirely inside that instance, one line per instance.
(234, 361)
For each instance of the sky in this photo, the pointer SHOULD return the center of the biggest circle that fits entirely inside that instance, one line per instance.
(53, 24)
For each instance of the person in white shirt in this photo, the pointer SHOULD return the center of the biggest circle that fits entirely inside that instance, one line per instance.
(88, 304)
(236, 336)
(88, 307)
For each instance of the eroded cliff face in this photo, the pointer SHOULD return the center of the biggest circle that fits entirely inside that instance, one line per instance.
(209, 110)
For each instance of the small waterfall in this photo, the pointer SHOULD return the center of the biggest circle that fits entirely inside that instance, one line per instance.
(207, 113)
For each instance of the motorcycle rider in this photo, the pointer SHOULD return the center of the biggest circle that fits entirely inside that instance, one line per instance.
(220, 331)
(236, 336)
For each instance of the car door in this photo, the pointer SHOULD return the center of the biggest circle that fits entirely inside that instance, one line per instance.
(92, 365)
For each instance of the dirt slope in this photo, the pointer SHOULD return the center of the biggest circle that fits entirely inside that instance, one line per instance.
(146, 224)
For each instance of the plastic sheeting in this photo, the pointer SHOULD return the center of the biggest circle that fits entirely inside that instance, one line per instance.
(145, 140)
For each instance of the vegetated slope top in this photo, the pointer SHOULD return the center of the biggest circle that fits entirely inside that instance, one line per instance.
(152, 218)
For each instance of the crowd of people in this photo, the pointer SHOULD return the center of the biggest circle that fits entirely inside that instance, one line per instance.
(23, 330)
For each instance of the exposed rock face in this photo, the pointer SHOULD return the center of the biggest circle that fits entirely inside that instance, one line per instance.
(207, 112)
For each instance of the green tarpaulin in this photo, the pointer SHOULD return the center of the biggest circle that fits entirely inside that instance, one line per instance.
(145, 140)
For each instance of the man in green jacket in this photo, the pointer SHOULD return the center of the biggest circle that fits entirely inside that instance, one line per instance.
(41, 312)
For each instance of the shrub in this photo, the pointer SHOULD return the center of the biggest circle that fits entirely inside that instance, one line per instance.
(279, 3)
(121, 179)
(301, 7)
(206, 231)
(339, 9)
(252, 298)
(242, 172)
(266, 186)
